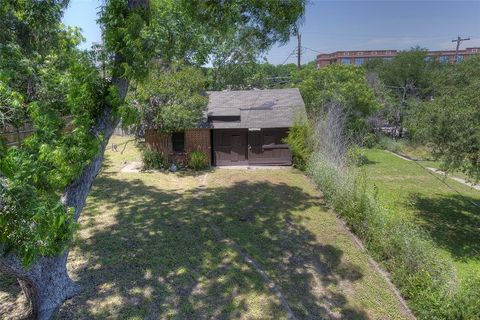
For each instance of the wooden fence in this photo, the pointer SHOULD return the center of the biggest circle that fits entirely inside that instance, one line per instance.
(15, 135)
(195, 140)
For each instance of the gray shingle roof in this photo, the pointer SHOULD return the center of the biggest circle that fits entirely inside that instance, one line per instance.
(271, 108)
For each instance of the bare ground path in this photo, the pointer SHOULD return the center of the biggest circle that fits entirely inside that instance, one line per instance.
(229, 244)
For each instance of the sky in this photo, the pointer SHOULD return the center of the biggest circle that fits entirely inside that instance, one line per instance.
(330, 26)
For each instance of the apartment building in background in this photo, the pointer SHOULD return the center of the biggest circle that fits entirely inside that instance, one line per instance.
(360, 57)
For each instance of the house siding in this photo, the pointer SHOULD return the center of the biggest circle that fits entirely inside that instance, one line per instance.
(198, 140)
(195, 140)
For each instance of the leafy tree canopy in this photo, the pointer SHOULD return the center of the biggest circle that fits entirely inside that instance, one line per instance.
(408, 68)
(450, 121)
(170, 98)
(43, 78)
(249, 75)
(345, 84)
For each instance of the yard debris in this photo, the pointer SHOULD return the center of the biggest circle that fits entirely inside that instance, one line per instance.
(132, 166)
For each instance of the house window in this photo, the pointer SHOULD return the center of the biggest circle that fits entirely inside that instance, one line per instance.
(443, 59)
(359, 61)
(345, 61)
(178, 142)
(459, 58)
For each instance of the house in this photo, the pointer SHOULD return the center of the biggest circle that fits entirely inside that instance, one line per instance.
(244, 127)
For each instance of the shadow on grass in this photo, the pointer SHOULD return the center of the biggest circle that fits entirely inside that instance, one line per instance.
(158, 256)
(453, 222)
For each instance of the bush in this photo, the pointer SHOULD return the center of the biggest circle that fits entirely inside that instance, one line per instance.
(197, 160)
(390, 144)
(301, 143)
(370, 140)
(356, 157)
(152, 160)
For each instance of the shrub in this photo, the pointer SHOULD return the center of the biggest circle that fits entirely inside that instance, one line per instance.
(356, 157)
(390, 144)
(301, 143)
(152, 160)
(197, 160)
(370, 140)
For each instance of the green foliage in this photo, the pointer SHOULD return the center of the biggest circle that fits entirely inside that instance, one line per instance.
(126, 35)
(239, 75)
(407, 67)
(246, 25)
(153, 160)
(170, 99)
(197, 160)
(370, 140)
(390, 144)
(300, 142)
(43, 79)
(344, 84)
(450, 121)
(341, 83)
(49, 225)
(356, 157)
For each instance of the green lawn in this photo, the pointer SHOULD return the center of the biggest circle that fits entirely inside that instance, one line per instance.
(423, 155)
(156, 245)
(450, 218)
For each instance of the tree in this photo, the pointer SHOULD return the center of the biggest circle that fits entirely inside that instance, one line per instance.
(407, 78)
(170, 99)
(345, 84)
(249, 75)
(45, 181)
(450, 121)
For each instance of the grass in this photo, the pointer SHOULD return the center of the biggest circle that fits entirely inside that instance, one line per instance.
(451, 219)
(147, 248)
(420, 153)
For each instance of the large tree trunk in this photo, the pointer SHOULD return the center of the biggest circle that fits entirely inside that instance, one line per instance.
(46, 284)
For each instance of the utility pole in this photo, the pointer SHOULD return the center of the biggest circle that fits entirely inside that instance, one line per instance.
(458, 41)
(299, 48)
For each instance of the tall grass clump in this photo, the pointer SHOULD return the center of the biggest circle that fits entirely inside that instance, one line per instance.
(390, 144)
(424, 275)
(197, 160)
(152, 160)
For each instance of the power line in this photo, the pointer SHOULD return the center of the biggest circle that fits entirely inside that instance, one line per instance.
(288, 57)
(313, 50)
